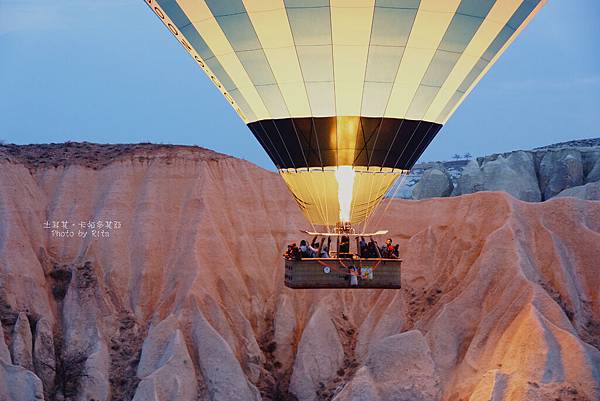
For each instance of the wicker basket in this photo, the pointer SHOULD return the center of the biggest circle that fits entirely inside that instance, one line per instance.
(335, 273)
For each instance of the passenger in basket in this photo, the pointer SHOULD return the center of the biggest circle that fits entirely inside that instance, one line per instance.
(372, 249)
(353, 276)
(292, 252)
(288, 253)
(344, 247)
(396, 252)
(325, 249)
(387, 251)
(306, 250)
(295, 253)
(362, 248)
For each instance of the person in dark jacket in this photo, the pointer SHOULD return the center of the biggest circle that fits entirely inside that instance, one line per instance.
(362, 248)
(387, 251)
(307, 250)
(372, 249)
(344, 247)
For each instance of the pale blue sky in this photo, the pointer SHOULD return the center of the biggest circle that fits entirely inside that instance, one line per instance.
(109, 71)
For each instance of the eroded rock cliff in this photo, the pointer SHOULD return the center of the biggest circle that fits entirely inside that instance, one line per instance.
(530, 175)
(183, 299)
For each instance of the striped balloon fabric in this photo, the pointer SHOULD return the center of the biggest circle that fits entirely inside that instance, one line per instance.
(344, 95)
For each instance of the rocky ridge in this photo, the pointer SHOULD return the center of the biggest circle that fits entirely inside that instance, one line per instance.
(533, 175)
(96, 155)
(185, 301)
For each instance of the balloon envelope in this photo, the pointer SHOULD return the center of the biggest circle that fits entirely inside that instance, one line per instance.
(344, 95)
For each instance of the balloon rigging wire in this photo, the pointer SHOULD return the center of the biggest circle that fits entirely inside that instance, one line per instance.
(326, 207)
(404, 176)
(371, 198)
(281, 160)
(317, 203)
(369, 166)
(384, 159)
(312, 127)
(380, 187)
(401, 154)
(398, 184)
(307, 168)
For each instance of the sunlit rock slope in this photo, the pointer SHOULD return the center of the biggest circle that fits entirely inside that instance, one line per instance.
(183, 298)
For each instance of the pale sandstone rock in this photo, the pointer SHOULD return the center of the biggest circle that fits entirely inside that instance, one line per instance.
(22, 345)
(4, 352)
(470, 180)
(19, 384)
(515, 279)
(95, 384)
(166, 369)
(398, 368)
(250, 355)
(435, 183)
(591, 166)
(43, 354)
(514, 174)
(82, 332)
(560, 170)
(319, 356)
(158, 339)
(80, 311)
(284, 330)
(220, 369)
(492, 387)
(590, 191)
(360, 388)
(384, 319)
(21, 274)
(530, 351)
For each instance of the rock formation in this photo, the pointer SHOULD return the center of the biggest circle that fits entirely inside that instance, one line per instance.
(590, 191)
(166, 369)
(399, 367)
(435, 183)
(22, 344)
(44, 353)
(4, 352)
(533, 175)
(319, 357)
(593, 168)
(514, 174)
(185, 300)
(560, 170)
(19, 384)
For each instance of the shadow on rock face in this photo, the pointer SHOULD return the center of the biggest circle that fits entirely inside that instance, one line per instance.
(186, 302)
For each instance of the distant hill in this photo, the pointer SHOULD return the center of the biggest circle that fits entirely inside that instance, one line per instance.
(577, 143)
(531, 175)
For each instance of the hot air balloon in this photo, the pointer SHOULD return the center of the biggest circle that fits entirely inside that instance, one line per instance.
(344, 95)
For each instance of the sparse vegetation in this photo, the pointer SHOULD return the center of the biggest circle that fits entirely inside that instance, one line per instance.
(125, 352)
(274, 381)
(94, 155)
(70, 369)
(61, 277)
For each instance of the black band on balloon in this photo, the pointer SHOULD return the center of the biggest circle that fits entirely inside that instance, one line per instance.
(312, 141)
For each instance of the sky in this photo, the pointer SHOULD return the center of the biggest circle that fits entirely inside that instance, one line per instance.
(110, 72)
